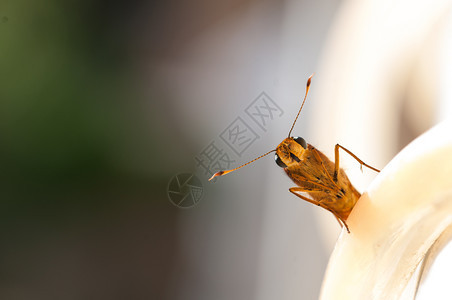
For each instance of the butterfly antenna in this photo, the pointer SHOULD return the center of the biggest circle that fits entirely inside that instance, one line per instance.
(221, 173)
(308, 84)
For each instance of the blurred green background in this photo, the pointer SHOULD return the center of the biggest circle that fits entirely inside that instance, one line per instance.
(83, 172)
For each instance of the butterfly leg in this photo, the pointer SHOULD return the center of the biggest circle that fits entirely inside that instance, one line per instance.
(296, 190)
(336, 160)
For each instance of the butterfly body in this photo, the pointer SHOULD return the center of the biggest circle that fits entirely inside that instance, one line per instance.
(315, 174)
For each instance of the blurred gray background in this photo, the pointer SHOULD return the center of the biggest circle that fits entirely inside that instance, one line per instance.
(102, 103)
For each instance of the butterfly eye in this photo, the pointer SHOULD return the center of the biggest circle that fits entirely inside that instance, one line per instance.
(300, 141)
(279, 162)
